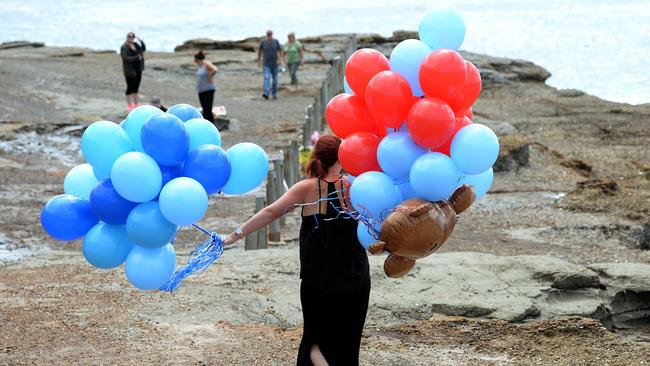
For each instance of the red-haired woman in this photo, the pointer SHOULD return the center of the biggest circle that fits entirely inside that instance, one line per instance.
(335, 285)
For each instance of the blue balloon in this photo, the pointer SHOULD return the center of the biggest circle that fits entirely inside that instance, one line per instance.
(80, 180)
(208, 165)
(365, 235)
(106, 246)
(67, 217)
(434, 176)
(102, 143)
(442, 26)
(406, 59)
(474, 148)
(183, 201)
(134, 122)
(164, 138)
(249, 165)
(346, 86)
(374, 194)
(147, 227)
(169, 173)
(108, 205)
(480, 182)
(136, 177)
(396, 153)
(185, 112)
(101, 175)
(202, 132)
(406, 190)
(150, 268)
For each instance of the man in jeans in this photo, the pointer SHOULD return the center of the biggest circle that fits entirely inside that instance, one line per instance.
(271, 51)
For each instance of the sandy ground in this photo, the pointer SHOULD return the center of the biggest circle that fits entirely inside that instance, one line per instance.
(56, 309)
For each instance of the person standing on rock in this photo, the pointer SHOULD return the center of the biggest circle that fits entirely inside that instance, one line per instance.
(132, 65)
(205, 84)
(293, 53)
(334, 269)
(269, 56)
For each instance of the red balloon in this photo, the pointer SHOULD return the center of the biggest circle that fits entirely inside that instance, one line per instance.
(460, 123)
(470, 91)
(346, 114)
(362, 66)
(442, 74)
(465, 113)
(430, 122)
(389, 98)
(358, 153)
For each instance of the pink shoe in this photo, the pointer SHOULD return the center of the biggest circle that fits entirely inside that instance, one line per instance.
(130, 107)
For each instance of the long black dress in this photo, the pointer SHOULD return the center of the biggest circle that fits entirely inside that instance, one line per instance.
(335, 284)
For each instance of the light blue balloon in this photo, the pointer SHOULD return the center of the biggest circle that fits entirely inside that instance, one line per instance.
(442, 26)
(434, 176)
(346, 86)
(249, 164)
(374, 194)
(134, 122)
(80, 181)
(106, 246)
(481, 182)
(136, 177)
(147, 227)
(406, 190)
(474, 148)
(150, 268)
(365, 236)
(183, 201)
(202, 132)
(185, 112)
(406, 59)
(101, 175)
(396, 153)
(102, 143)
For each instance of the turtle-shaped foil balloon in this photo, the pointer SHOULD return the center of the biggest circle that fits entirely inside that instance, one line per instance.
(418, 228)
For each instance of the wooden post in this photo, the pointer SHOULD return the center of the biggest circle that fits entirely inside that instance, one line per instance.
(251, 241)
(309, 126)
(271, 196)
(260, 203)
(295, 161)
(278, 167)
(316, 111)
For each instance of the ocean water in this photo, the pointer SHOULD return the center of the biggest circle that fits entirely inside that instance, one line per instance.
(599, 46)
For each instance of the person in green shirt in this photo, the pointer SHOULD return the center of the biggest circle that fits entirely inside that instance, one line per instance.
(293, 54)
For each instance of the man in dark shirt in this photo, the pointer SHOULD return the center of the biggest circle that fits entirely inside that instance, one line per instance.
(269, 56)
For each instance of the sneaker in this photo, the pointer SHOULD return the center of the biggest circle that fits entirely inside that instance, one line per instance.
(275, 97)
(130, 107)
(265, 96)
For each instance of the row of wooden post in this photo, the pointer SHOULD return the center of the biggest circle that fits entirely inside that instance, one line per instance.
(284, 168)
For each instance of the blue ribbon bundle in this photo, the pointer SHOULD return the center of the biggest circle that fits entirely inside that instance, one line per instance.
(201, 257)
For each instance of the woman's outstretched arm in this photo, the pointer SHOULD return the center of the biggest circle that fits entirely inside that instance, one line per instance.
(286, 203)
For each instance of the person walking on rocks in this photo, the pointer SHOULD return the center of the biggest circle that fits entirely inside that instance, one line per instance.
(335, 285)
(293, 52)
(132, 52)
(269, 56)
(205, 84)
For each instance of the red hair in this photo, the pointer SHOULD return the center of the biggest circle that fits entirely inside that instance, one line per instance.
(324, 156)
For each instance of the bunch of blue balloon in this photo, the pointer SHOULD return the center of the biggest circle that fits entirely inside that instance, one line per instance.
(145, 178)
(430, 170)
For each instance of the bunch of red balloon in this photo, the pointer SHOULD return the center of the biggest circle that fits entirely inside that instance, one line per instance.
(407, 121)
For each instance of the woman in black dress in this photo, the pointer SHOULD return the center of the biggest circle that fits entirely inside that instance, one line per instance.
(132, 53)
(335, 285)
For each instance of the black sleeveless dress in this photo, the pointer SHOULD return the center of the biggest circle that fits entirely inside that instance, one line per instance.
(335, 285)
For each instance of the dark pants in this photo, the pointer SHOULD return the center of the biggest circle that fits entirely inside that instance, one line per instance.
(293, 71)
(207, 98)
(133, 83)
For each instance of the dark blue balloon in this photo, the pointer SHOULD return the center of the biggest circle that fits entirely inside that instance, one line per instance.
(209, 165)
(67, 217)
(169, 173)
(108, 205)
(165, 139)
(185, 112)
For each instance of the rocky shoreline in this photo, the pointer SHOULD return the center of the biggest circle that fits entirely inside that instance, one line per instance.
(563, 232)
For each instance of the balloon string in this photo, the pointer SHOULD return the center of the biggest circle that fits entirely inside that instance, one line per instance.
(201, 257)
